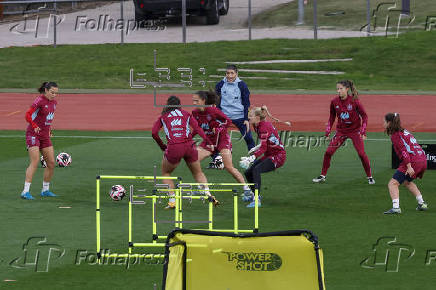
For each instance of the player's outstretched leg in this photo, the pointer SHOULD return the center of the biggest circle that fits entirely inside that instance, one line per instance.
(228, 165)
(411, 186)
(199, 176)
(335, 143)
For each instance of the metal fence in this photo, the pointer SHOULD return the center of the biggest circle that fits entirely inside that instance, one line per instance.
(43, 22)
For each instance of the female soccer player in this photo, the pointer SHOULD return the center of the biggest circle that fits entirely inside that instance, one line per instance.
(352, 121)
(413, 163)
(271, 147)
(215, 123)
(177, 125)
(40, 116)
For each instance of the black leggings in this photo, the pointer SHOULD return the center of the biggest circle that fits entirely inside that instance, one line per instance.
(259, 166)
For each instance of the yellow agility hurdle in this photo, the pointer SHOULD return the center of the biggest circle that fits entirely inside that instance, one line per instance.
(179, 195)
(98, 213)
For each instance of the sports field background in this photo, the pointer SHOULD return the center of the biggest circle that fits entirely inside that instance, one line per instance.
(106, 132)
(345, 212)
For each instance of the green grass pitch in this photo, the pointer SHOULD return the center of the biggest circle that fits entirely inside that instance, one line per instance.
(345, 212)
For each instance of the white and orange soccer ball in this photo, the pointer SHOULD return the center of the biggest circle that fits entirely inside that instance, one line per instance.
(117, 192)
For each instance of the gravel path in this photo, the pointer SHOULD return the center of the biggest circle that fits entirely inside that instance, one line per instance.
(91, 27)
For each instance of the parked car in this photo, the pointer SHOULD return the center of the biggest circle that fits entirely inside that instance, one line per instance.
(155, 9)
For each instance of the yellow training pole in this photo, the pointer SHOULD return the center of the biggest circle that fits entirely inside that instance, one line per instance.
(97, 214)
(210, 216)
(130, 226)
(136, 177)
(235, 212)
(177, 210)
(153, 213)
(180, 210)
(256, 210)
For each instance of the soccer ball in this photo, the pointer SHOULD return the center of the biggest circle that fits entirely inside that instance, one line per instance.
(219, 162)
(43, 163)
(117, 192)
(63, 159)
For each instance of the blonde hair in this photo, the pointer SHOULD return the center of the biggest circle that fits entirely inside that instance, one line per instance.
(263, 112)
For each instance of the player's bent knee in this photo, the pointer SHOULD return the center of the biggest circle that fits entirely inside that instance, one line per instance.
(393, 182)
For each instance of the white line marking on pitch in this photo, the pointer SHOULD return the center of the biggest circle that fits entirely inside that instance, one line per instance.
(289, 61)
(12, 113)
(148, 137)
(307, 72)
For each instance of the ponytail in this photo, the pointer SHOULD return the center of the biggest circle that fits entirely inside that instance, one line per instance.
(173, 103)
(46, 86)
(394, 123)
(350, 85)
(263, 112)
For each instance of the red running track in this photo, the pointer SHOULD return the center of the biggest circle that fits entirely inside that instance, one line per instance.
(110, 112)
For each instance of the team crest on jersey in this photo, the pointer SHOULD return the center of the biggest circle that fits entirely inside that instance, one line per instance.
(345, 115)
(208, 117)
(337, 107)
(50, 116)
(176, 122)
(349, 107)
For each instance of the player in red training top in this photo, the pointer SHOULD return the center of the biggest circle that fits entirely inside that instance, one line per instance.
(215, 123)
(271, 147)
(40, 116)
(413, 163)
(352, 121)
(177, 125)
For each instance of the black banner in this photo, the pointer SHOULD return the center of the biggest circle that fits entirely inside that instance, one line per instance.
(430, 152)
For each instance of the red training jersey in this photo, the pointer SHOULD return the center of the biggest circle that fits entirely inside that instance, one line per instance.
(177, 126)
(41, 114)
(271, 145)
(211, 118)
(351, 116)
(407, 148)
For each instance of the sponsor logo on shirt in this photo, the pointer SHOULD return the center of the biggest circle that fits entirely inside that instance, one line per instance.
(177, 134)
(345, 115)
(176, 122)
